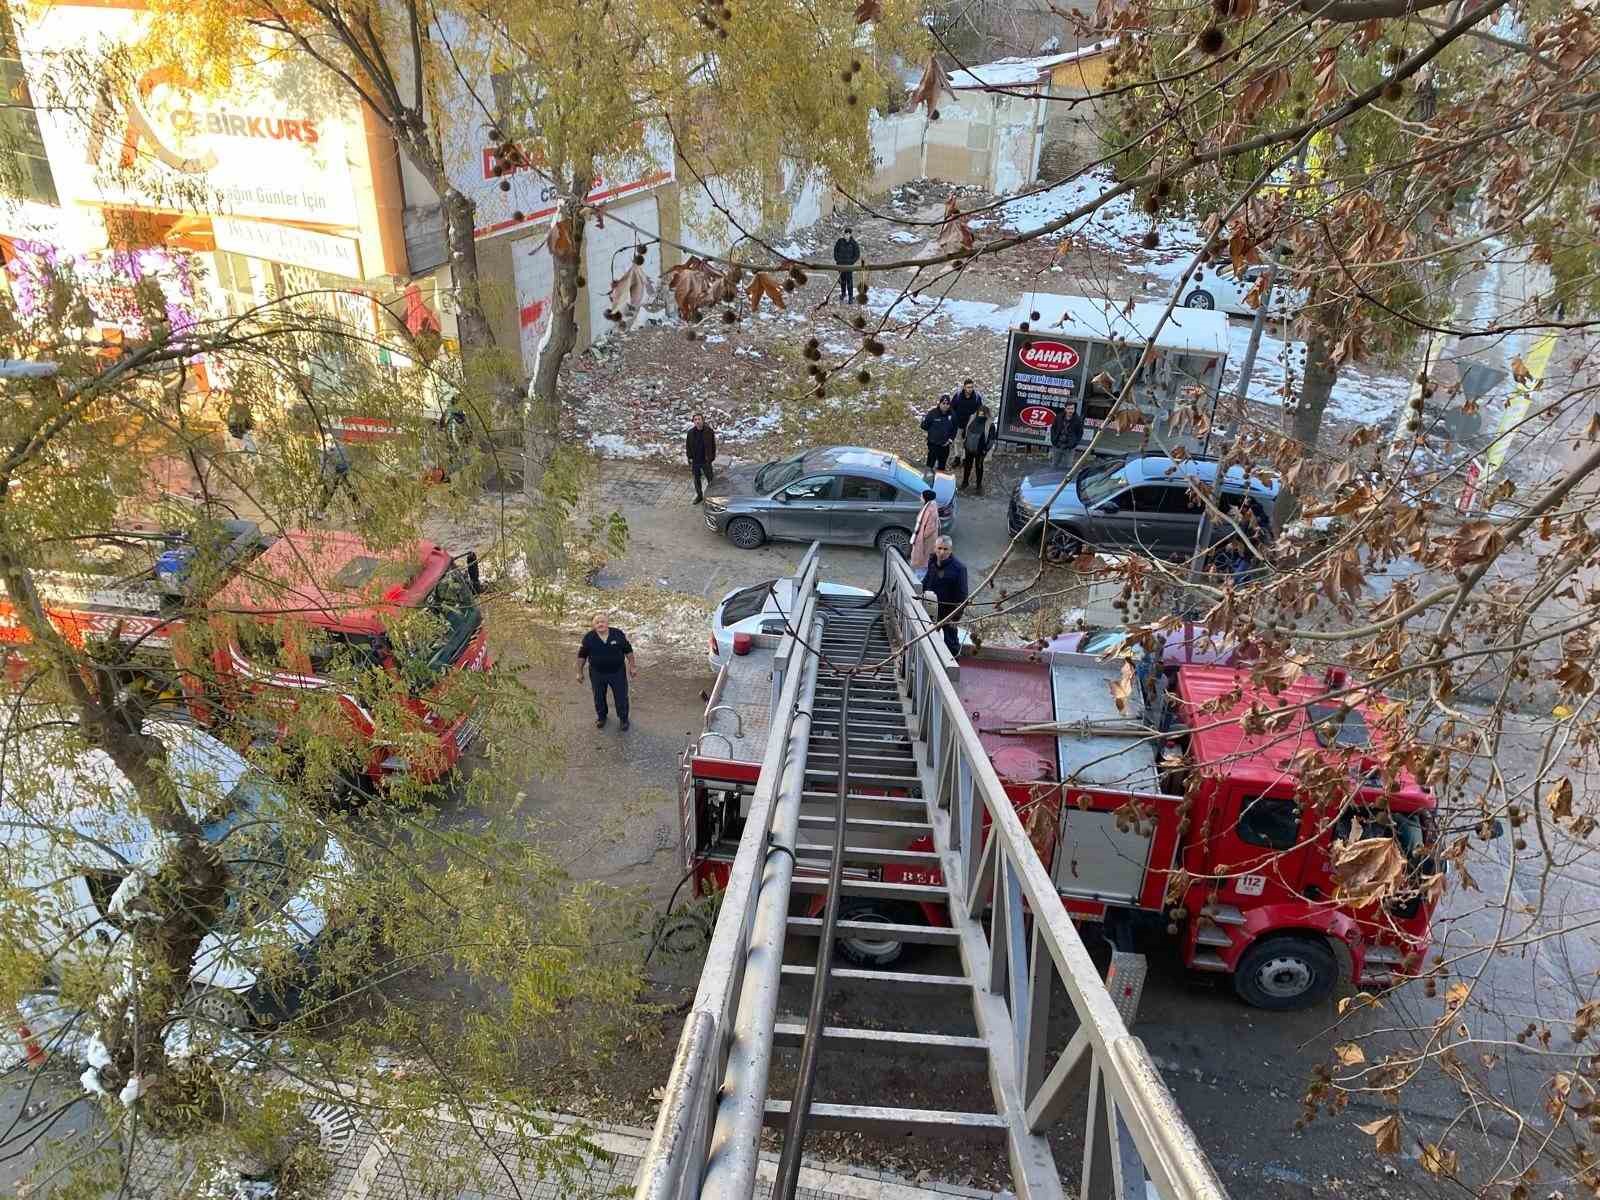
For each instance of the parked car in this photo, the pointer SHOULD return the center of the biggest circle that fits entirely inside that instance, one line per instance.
(843, 494)
(761, 608)
(1219, 288)
(72, 837)
(1183, 645)
(1141, 504)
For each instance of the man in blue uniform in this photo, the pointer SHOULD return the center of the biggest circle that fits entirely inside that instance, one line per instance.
(946, 578)
(610, 657)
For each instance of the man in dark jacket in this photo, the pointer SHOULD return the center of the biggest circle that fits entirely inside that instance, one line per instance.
(1066, 431)
(700, 445)
(846, 253)
(609, 656)
(940, 426)
(946, 578)
(964, 403)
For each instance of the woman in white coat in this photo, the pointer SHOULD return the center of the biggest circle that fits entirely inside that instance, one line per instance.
(925, 533)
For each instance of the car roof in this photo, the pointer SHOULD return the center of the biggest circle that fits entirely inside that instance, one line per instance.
(1158, 468)
(854, 458)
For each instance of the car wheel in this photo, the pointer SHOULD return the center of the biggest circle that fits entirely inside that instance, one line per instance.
(745, 533)
(1199, 299)
(869, 951)
(900, 539)
(1284, 973)
(220, 1007)
(1061, 545)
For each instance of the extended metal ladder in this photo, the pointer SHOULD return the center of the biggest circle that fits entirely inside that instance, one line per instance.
(913, 768)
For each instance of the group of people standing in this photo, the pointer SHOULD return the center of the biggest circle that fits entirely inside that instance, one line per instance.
(962, 422)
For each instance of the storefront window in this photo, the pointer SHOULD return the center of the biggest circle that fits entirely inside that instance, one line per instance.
(24, 169)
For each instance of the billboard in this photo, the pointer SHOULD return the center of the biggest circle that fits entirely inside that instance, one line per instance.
(276, 145)
(1043, 379)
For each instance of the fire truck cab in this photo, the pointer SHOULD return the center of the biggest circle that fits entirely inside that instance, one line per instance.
(1180, 810)
(223, 624)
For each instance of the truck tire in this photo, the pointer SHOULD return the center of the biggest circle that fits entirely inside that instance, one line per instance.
(1286, 972)
(746, 533)
(872, 952)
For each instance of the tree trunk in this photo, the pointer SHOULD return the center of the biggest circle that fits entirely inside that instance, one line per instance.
(1315, 389)
(560, 336)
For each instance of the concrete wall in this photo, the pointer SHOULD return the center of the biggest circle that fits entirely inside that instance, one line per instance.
(1072, 131)
(711, 224)
(897, 148)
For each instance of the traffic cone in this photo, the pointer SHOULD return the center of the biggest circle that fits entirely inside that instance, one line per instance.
(37, 1058)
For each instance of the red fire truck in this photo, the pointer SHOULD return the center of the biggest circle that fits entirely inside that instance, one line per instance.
(1187, 812)
(224, 622)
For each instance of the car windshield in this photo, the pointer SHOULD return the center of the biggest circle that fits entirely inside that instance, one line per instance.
(1100, 483)
(258, 851)
(746, 603)
(780, 473)
(430, 639)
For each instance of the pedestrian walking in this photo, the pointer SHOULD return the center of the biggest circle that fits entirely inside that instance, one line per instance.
(940, 426)
(241, 426)
(976, 443)
(926, 531)
(1066, 431)
(964, 403)
(846, 253)
(609, 656)
(700, 447)
(335, 475)
(946, 578)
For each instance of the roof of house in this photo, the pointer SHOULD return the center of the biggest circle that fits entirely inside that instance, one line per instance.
(1021, 72)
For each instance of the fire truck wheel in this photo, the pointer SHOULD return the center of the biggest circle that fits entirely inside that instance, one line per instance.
(745, 533)
(871, 952)
(1284, 973)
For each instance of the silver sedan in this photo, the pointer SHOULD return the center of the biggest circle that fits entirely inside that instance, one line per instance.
(843, 494)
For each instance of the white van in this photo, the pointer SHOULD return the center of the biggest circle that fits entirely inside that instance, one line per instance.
(70, 836)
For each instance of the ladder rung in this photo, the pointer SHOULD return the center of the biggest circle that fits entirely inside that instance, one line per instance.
(911, 829)
(867, 778)
(934, 893)
(830, 758)
(891, 1122)
(923, 935)
(916, 802)
(906, 980)
(811, 851)
(894, 1040)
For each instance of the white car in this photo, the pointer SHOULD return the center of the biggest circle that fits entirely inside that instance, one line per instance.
(762, 608)
(1217, 288)
(70, 836)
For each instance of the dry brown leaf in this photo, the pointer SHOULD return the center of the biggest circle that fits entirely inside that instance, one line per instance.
(762, 284)
(630, 288)
(560, 239)
(1366, 871)
(1122, 688)
(1456, 995)
(695, 284)
(1326, 70)
(1559, 798)
(1349, 1054)
(1436, 1160)
(1474, 542)
(932, 88)
(1385, 1133)
(955, 233)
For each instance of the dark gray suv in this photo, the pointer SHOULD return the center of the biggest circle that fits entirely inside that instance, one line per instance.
(843, 494)
(1141, 505)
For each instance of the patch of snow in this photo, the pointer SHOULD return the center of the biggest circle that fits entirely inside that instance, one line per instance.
(962, 314)
(796, 250)
(712, 339)
(96, 1054)
(1358, 395)
(131, 1090)
(906, 238)
(614, 445)
(1020, 72)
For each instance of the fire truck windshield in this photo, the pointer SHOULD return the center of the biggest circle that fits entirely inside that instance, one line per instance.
(428, 641)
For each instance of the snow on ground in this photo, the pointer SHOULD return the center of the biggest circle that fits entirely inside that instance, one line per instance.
(939, 315)
(614, 445)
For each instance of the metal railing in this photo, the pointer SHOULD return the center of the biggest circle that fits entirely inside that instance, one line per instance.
(1016, 940)
(999, 887)
(708, 1130)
